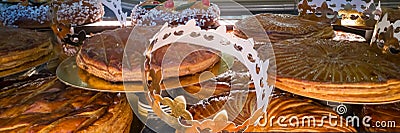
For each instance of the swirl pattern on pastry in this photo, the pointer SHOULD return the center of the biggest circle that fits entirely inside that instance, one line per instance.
(337, 71)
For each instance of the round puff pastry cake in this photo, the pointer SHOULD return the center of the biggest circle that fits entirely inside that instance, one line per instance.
(20, 48)
(240, 104)
(385, 116)
(280, 27)
(153, 12)
(41, 103)
(102, 55)
(18, 15)
(78, 12)
(37, 14)
(337, 71)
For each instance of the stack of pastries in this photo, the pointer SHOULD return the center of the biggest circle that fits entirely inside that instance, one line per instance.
(41, 103)
(102, 55)
(21, 49)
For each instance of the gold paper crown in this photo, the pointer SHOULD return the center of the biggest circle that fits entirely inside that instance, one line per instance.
(387, 35)
(219, 40)
(341, 12)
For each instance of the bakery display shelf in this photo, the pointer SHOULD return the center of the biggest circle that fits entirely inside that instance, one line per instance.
(110, 24)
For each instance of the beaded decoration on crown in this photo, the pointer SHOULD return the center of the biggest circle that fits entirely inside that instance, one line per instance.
(387, 35)
(341, 12)
(219, 40)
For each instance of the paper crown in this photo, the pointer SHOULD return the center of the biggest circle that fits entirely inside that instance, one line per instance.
(116, 7)
(341, 12)
(387, 35)
(218, 40)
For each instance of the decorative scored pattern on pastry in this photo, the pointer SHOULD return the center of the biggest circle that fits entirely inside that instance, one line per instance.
(335, 62)
(102, 55)
(340, 71)
(385, 115)
(42, 104)
(239, 105)
(280, 27)
(288, 105)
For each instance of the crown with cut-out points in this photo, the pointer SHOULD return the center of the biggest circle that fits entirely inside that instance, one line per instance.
(220, 40)
(341, 12)
(116, 8)
(387, 35)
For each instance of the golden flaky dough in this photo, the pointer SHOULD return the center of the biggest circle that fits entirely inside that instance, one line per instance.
(280, 27)
(337, 71)
(102, 56)
(41, 103)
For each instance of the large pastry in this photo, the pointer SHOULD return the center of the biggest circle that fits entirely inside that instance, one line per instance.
(384, 118)
(19, 47)
(337, 71)
(43, 104)
(280, 27)
(78, 12)
(102, 55)
(154, 12)
(24, 16)
(240, 105)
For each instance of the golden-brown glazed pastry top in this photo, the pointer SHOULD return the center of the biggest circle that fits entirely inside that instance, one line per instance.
(337, 70)
(78, 12)
(41, 103)
(21, 49)
(102, 55)
(280, 27)
(329, 61)
(240, 105)
(17, 40)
